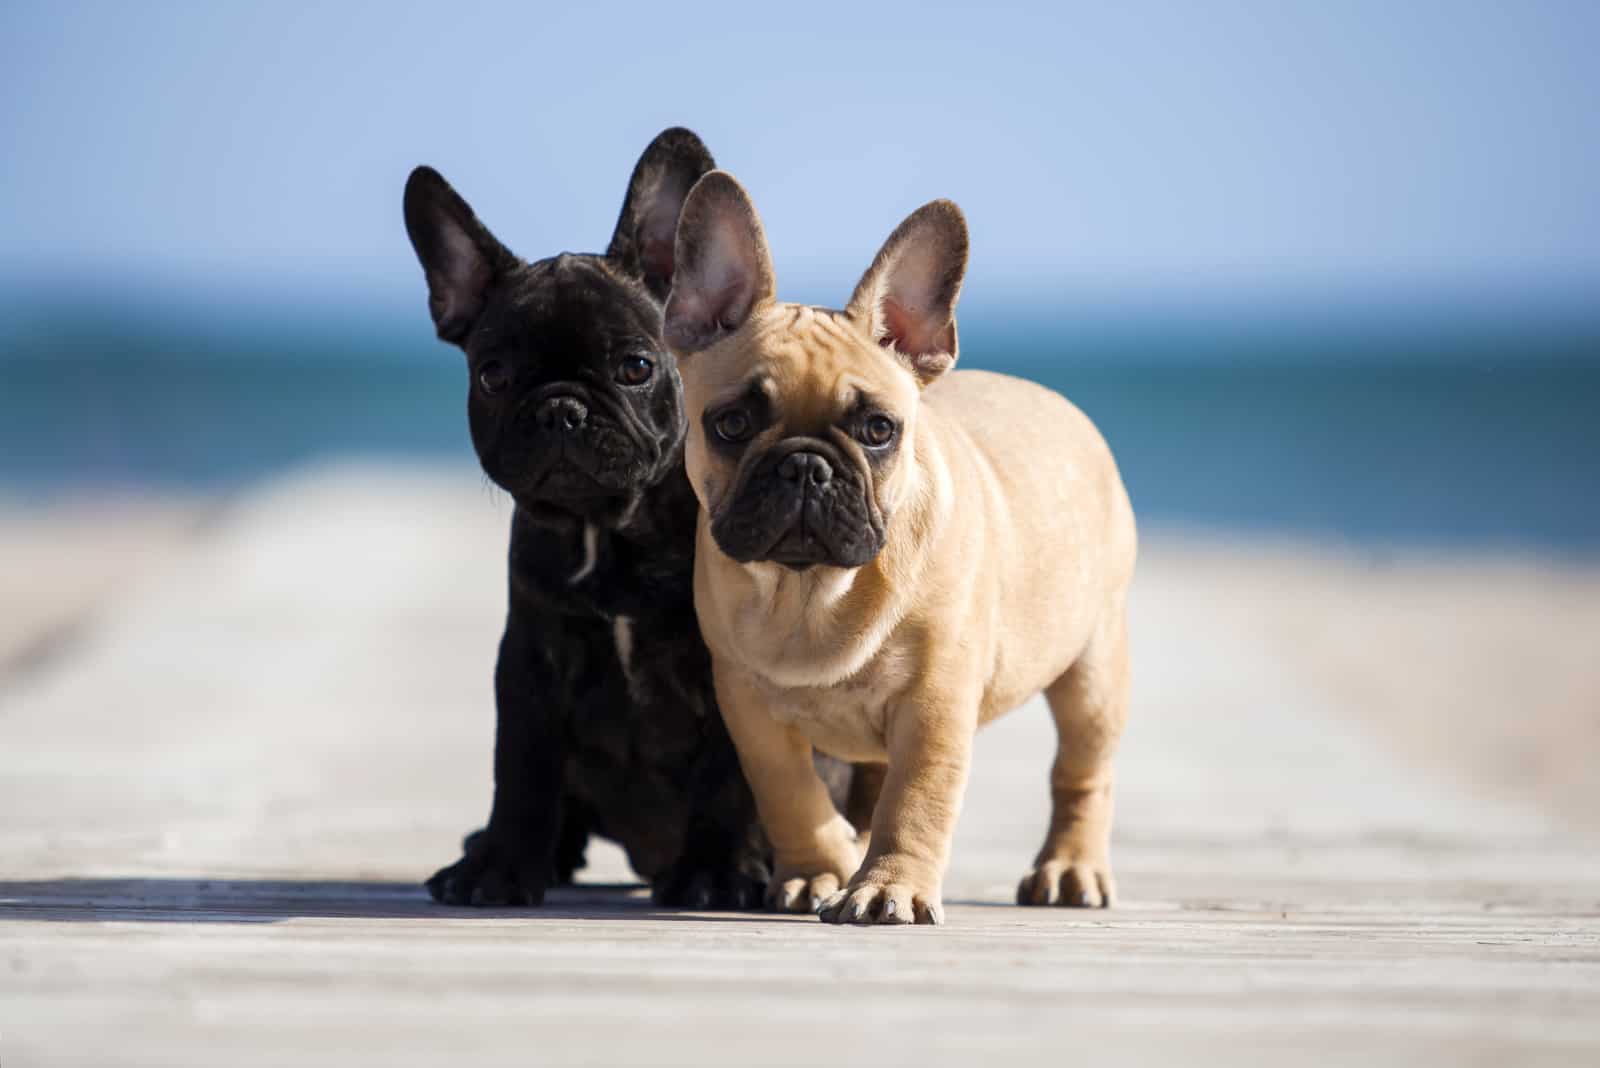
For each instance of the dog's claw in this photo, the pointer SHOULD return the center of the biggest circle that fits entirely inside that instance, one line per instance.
(892, 903)
(802, 893)
(1075, 884)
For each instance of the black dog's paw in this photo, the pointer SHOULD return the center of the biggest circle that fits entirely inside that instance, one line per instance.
(697, 885)
(489, 876)
(569, 853)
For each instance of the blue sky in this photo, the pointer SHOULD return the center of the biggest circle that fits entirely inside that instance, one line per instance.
(1185, 147)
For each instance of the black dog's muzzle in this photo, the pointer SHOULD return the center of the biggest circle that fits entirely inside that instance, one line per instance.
(567, 446)
(561, 414)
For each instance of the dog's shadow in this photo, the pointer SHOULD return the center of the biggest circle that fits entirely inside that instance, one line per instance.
(147, 900)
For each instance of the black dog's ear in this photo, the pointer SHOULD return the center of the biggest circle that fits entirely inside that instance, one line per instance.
(460, 257)
(643, 241)
(907, 299)
(724, 268)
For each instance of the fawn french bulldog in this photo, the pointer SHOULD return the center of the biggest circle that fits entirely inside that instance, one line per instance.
(890, 555)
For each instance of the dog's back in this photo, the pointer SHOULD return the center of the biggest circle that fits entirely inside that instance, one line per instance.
(1066, 547)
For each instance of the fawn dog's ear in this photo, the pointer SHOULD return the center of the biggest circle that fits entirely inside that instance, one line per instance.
(724, 271)
(906, 301)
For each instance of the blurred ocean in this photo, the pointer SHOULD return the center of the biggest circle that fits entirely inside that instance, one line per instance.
(1402, 430)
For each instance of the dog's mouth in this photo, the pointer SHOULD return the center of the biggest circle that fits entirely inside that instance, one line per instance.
(796, 531)
(565, 492)
(599, 457)
(565, 479)
(801, 504)
(800, 547)
(561, 476)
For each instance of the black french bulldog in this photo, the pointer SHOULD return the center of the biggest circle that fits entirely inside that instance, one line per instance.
(607, 722)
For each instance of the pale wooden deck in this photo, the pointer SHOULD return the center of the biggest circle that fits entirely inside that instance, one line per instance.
(220, 796)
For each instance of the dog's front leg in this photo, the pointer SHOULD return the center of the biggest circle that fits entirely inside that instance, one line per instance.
(814, 848)
(930, 752)
(723, 864)
(511, 860)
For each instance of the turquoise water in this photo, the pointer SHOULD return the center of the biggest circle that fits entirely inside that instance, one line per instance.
(1374, 438)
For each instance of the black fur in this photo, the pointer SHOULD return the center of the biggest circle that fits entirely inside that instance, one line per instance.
(607, 722)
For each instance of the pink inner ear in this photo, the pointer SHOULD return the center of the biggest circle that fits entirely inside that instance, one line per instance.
(928, 347)
(910, 333)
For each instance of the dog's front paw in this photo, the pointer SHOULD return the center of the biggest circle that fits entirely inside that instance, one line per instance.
(490, 875)
(570, 851)
(805, 878)
(795, 892)
(696, 884)
(887, 892)
(1065, 881)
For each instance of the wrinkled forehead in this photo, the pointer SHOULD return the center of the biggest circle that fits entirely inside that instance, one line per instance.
(814, 364)
(568, 300)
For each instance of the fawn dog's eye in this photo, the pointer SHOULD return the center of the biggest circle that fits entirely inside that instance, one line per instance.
(877, 431)
(732, 426)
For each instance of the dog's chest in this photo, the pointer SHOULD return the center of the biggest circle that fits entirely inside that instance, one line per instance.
(592, 571)
(848, 720)
(839, 693)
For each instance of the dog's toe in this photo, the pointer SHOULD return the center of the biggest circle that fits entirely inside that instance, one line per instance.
(1080, 884)
(802, 894)
(486, 878)
(697, 887)
(871, 901)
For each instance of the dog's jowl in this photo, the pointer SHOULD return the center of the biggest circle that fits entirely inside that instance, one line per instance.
(890, 555)
(606, 719)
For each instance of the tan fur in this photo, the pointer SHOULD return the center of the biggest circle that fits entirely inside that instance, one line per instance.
(1009, 552)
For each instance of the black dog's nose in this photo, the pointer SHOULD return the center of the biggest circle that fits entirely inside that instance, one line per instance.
(562, 413)
(805, 467)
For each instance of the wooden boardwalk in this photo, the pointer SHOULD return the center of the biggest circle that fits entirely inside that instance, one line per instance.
(220, 797)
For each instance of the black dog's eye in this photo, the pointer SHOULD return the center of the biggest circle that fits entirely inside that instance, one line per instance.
(635, 371)
(493, 376)
(732, 425)
(877, 431)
